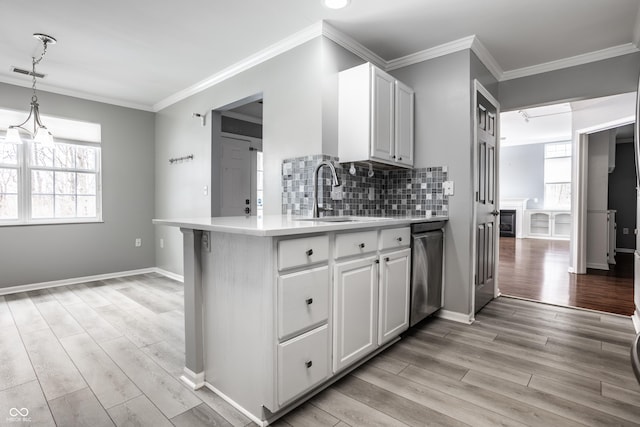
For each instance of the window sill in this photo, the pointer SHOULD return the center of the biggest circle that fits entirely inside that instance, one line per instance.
(52, 222)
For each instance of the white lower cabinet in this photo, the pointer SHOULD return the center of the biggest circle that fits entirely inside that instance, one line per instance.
(355, 310)
(395, 274)
(303, 362)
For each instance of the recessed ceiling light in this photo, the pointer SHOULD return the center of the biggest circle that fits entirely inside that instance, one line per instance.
(336, 4)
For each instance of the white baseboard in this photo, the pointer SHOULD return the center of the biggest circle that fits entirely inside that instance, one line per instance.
(598, 266)
(170, 275)
(85, 279)
(636, 321)
(455, 316)
(193, 380)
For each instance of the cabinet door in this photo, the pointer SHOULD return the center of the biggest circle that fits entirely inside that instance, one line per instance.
(404, 124)
(355, 310)
(382, 115)
(395, 273)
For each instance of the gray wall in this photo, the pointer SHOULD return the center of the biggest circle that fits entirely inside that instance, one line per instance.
(522, 173)
(292, 86)
(602, 78)
(39, 253)
(443, 88)
(622, 191)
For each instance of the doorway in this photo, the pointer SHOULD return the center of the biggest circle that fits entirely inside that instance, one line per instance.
(535, 265)
(237, 175)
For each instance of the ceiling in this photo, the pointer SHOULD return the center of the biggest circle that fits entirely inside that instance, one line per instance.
(141, 53)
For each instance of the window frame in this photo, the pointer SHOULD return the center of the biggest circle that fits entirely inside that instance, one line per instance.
(25, 168)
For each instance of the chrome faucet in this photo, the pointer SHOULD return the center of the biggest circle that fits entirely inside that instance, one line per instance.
(335, 183)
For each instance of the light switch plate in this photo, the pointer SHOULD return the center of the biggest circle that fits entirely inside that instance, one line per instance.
(447, 188)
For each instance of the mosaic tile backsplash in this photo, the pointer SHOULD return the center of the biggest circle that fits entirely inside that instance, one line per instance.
(404, 192)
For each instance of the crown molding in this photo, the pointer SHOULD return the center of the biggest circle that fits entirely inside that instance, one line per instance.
(486, 58)
(585, 58)
(77, 94)
(434, 52)
(352, 45)
(272, 51)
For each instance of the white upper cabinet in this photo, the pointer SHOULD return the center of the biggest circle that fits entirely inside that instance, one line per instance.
(375, 117)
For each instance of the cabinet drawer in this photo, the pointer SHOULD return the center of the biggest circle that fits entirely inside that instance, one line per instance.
(304, 251)
(302, 301)
(348, 244)
(303, 362)
(392, 238)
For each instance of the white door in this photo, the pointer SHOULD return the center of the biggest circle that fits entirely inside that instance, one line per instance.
(382, 115)
(236, 194)
(404, 124)
(355, 310)
(486, 238)
(395, 270)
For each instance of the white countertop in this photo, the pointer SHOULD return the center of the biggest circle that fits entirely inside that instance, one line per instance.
(284, 225)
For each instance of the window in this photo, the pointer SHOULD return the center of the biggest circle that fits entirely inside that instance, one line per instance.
(557, 175)
(51, 184)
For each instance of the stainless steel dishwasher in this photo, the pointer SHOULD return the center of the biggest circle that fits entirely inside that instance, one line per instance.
(426, 269)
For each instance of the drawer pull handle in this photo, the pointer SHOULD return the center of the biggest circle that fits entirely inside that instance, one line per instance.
(386, 259)
(399, 239)
(308, 363)
(309, 301)
(361, 245)
(310, 252)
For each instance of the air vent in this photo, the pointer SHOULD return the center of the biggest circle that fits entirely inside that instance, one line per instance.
(26, 72)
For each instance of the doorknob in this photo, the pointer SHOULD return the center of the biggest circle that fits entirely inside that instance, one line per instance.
(495, 213)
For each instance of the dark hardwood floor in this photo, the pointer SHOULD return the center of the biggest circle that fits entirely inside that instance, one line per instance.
(537, 269)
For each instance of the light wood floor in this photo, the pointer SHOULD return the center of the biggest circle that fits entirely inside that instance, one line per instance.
(106, 353)
(537, 269)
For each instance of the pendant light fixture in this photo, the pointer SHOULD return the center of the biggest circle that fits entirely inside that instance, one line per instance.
(33, 126)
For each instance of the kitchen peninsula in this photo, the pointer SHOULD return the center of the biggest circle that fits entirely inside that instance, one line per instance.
(278, 307)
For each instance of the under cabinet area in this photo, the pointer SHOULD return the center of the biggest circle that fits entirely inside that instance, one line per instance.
(375, 117)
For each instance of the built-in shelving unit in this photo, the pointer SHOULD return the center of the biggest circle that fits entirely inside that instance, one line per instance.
(547, 224)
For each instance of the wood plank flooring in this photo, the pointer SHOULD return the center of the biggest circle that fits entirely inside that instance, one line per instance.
(536, 269)
(110, 353)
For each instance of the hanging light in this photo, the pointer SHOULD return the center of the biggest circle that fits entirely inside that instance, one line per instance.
(33, 126)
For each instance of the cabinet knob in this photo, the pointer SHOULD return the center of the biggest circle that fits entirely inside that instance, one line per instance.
(310, 252)
(308, 363)
(393, 157)
(386, 259)
(361, 245)
(399, 158)
(377, 261)
(399, 239)
(309, 301)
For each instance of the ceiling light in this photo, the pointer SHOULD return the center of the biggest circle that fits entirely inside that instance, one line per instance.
(33, 126)
(336, 4)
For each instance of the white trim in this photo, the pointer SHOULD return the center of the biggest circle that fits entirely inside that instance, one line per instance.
(434, 52)
(566, 306)
(236, 405)
(625, 250)
(73, 281)
(487, 59)
(598, 266)
(240, 116)
(636, 320)
(572, 61)
(77, 94)
(353, 46)
(193, 380)
(251, 61)
(85, 279)
(456, 317)
(170, 275)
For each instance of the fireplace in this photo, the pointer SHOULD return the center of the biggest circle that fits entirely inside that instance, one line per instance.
(507, 223)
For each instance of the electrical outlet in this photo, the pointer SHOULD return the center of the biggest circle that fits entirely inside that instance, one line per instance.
(372, 193)
(205, 191)
(447, 188)
(625, 230)
(336, 193)
(161, 243)
(206, 241)
(138, 242)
